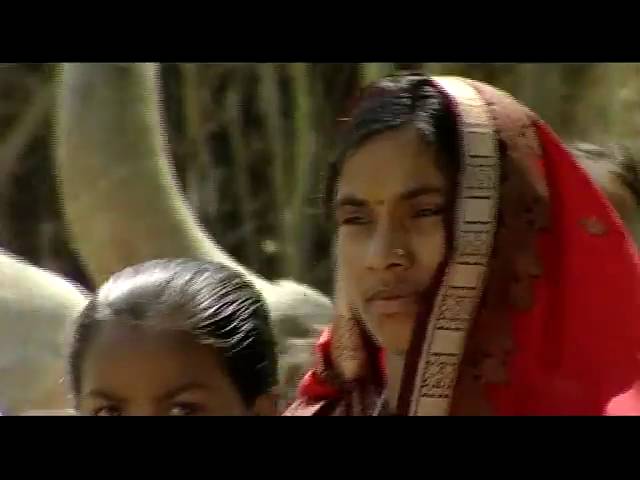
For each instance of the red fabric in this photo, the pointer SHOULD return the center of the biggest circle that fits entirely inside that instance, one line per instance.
(578, 348)
(315, 389)
(577, 351)
(312, 386)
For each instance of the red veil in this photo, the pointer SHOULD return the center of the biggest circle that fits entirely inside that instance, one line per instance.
(548, 321)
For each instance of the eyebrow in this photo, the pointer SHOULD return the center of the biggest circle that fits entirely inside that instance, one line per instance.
(350, 201)
(187, 387)
(420, 191)
(104, 395)
(353, 201)
(174, 392)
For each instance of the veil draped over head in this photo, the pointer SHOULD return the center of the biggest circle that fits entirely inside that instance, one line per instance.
(537, 312)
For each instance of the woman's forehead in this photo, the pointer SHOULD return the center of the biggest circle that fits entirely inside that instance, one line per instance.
(390, 165)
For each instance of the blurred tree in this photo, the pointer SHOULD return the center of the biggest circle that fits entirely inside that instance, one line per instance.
(250, 143)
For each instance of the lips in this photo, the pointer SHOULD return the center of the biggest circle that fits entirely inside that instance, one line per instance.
(395, 301)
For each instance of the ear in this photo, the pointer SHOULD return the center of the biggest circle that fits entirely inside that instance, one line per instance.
(266, 405)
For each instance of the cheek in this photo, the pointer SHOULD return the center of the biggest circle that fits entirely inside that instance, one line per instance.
(350, 269)
(429, 245)
(351, 246)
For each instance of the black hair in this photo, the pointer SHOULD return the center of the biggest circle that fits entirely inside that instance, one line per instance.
(391, 103)
(210, 300)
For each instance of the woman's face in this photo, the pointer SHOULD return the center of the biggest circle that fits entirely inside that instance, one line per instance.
(144, 372)
(391, 232)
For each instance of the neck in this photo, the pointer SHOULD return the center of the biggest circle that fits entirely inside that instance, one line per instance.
(394, 364)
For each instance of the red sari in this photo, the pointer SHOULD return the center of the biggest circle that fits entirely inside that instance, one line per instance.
(537, 311)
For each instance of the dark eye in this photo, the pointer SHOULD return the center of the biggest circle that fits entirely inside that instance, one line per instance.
(428, 212)
(184, 410)
(108, 411)
(354, 220)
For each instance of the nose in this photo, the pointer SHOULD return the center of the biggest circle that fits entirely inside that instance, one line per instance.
(389, 249)
(144, 410)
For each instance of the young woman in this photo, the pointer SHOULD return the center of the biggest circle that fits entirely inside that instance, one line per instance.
(479, 270)
(174, 337)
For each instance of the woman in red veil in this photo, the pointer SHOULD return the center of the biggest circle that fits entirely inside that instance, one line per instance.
(479, 271)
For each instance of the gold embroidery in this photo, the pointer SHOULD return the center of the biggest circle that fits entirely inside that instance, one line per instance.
(475, 243)
(466, 276)
(476, 210)
(439, 376)
(515, 263)
(480, 143)
(456, 310)
(477, 203)
(448, 342)
(480, 177)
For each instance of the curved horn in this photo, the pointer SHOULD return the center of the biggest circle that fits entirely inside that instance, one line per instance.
(120, 194)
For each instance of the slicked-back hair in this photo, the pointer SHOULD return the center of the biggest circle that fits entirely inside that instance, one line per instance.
(209, 300)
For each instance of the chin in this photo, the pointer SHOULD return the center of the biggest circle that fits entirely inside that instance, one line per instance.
(394, 331)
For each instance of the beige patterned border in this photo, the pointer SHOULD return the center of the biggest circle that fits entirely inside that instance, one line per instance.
(476, 222)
